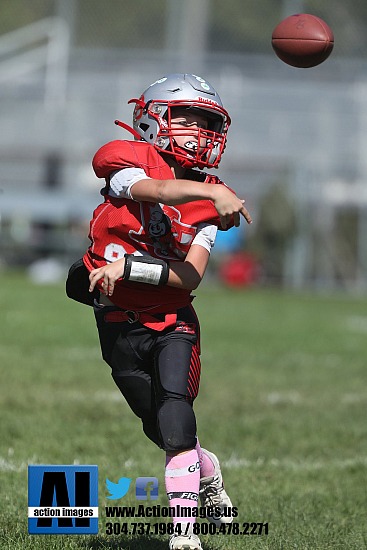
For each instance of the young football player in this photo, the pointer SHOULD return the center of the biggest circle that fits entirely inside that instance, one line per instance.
(150, 245)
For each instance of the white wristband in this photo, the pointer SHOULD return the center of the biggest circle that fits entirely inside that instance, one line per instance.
(145, 269)
(145, 273)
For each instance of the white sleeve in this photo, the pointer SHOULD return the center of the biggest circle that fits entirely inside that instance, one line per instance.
(122, 181)
(205, 235)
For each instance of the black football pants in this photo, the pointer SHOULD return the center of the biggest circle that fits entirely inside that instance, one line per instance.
(158, 373)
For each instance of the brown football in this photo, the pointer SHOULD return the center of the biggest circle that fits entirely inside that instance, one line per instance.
(303, 40)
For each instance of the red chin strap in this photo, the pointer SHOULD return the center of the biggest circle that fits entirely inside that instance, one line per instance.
(129, 129)
(186, 163)
(182, 157)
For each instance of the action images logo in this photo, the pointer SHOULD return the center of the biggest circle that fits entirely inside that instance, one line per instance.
(62, 499)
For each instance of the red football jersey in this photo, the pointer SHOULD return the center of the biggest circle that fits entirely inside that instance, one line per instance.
(122, 226)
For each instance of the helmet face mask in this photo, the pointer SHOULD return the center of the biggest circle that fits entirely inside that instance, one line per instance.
(157, 106)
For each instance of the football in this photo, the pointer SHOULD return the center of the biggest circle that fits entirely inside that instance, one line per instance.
(303, 40)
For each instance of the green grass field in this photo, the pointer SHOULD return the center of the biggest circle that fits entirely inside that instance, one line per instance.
(282, 402)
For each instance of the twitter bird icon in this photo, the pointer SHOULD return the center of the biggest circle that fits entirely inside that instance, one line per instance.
(119, 489)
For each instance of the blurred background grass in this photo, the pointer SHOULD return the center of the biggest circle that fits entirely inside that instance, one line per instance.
(282, 402)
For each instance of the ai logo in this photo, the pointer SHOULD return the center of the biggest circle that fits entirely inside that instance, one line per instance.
(62, 500)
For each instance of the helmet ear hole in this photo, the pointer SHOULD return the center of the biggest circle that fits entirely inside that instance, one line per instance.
(144, 126)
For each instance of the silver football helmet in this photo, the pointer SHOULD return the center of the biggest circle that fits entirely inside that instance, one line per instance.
(155, 107)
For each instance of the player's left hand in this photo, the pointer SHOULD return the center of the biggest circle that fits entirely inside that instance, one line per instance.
(110, 273)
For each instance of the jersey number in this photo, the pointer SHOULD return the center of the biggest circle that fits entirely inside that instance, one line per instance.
(114, 252)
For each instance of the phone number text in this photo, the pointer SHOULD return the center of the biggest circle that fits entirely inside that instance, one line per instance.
(140, 528)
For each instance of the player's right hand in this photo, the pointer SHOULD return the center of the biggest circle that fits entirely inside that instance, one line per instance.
(227, 205)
